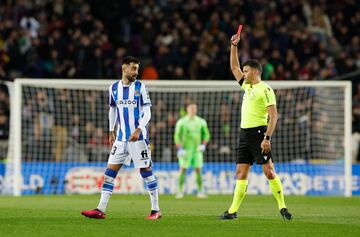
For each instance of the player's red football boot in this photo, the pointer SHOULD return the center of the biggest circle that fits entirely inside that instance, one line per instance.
(154, 215)
(95, 213)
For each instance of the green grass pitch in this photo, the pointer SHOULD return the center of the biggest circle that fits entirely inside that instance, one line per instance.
(258, 216)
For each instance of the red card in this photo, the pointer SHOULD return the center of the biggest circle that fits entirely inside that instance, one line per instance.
(239, 29)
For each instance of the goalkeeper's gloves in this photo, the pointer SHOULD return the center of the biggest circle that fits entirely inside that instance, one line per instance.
(202, 148)
(181, 152)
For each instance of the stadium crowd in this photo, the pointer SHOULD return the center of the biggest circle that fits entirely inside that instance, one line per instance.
(178, 39)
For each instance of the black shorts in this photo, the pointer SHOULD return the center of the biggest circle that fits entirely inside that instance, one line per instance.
(248, 148)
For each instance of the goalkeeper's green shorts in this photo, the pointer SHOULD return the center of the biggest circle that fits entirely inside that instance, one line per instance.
(194, 160)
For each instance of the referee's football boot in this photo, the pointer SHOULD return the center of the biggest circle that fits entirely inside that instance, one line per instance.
(286, 215)
(228, 216)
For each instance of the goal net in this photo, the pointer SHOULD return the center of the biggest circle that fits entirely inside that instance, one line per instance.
(59, 131)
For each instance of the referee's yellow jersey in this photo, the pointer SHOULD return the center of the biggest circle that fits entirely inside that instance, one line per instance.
(256, 99)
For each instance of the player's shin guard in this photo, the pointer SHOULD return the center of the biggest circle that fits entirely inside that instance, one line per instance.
(277, 190)
(152, 187)
(107, 189)
(239, 194)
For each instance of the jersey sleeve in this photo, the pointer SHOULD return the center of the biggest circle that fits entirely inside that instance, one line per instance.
(269, 97)
(111, 97)
(145, 98)
(112, 118)
(205, 134)
(177, 133)
(144, 120)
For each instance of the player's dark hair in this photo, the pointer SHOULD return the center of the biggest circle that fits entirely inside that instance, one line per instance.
(130, 59)
(253, 63)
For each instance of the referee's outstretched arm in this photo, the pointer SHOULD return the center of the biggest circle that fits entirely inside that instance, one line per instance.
(234, 58)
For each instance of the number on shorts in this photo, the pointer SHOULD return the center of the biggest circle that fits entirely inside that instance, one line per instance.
(114, 150)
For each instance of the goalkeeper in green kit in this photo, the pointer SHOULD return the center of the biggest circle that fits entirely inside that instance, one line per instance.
(191, 137)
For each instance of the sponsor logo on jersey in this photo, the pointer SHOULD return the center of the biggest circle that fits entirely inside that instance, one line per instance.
(126, 103)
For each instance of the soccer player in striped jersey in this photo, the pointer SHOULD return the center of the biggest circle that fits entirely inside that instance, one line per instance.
(258, 122)
(130, 108)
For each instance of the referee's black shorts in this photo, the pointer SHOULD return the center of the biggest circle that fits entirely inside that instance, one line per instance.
(248, 148)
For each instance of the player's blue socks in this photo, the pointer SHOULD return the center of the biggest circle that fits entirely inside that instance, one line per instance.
(109, 178)
(107, 189)
(152, 187)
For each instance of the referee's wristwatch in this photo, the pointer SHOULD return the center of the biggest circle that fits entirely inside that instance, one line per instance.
(267, 138)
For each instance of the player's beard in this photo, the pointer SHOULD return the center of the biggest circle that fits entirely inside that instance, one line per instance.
(131, 78)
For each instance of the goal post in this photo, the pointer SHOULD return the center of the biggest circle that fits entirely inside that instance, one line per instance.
(311, 144)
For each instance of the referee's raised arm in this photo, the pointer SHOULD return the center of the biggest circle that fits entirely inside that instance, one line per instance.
(234, 59)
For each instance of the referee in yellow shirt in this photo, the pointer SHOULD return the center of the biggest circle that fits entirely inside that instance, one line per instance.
(258, 121)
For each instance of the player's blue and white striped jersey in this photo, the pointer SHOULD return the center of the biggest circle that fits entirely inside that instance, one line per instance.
(128, 100)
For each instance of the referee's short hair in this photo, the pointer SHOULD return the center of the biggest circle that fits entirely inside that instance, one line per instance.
(253, 63)
(130, 59)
